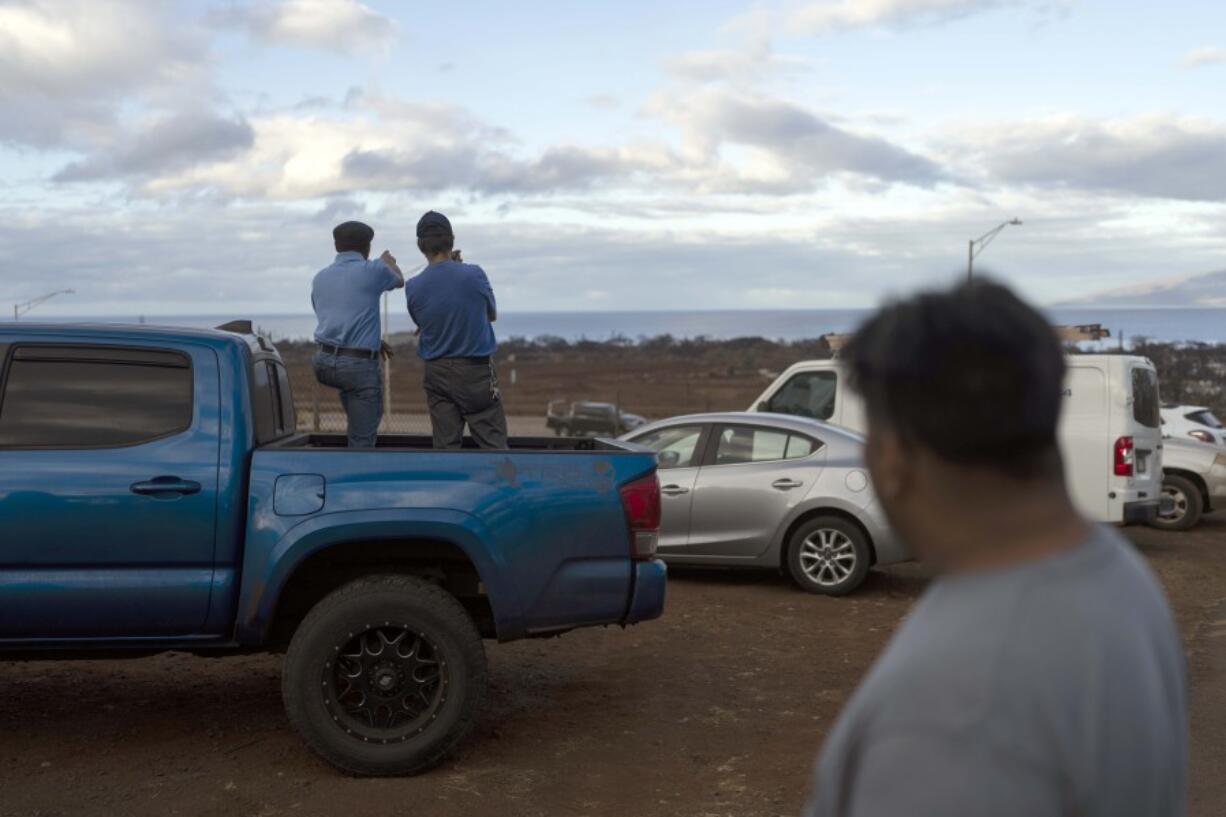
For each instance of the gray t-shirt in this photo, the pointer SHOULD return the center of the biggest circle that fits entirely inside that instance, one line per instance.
(1052, 688)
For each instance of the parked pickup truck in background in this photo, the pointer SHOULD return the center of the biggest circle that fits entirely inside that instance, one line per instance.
(155, 495)
(587, 418)
(1193, 478)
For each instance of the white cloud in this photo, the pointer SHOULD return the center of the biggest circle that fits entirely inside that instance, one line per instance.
(66, 65)
(826, 15)
(1153, 156)
(1201, 57)
(756, 143)
(166, 144)
(734, 65)
(75, 48)
(346, 26)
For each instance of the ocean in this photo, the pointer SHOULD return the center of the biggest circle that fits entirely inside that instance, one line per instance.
(1170, 324)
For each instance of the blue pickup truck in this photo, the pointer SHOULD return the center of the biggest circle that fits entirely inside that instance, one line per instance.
(155, 494)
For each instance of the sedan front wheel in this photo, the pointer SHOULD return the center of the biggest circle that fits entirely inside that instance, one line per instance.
(828, 555)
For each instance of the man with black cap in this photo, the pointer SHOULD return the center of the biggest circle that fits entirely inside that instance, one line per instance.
(453, 305)
(345, 295)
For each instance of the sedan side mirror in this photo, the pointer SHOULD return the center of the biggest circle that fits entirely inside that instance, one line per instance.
(763, 406)
(669, 459)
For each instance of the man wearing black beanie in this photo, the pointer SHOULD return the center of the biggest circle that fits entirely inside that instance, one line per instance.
(453, 305)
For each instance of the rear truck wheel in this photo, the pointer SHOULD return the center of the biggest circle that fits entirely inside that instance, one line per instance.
(1188, 504)
(828, 555)
(384, 676)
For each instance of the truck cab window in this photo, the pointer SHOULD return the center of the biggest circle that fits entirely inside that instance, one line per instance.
(285, 399)
(806, 394)
(272, 402)
(66, 397)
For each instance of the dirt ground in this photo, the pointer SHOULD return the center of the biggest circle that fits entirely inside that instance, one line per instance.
(716, 709)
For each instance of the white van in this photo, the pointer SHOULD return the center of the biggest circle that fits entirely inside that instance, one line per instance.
(1110, 430)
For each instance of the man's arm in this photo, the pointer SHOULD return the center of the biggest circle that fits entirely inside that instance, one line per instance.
(491, 306)
(943, 775)
(397, 279)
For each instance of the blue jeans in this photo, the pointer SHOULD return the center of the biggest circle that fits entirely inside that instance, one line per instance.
(361, 386)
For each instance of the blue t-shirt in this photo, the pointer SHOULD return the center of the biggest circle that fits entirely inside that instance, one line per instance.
(346, 300)
(452, 303)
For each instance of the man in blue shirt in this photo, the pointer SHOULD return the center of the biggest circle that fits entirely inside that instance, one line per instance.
(346, 300)
(453, 305)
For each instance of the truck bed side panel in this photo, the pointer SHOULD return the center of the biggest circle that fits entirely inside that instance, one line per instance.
(545, 530)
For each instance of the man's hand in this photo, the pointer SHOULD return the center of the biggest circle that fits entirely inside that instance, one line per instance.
(385, 351)
(390, 260)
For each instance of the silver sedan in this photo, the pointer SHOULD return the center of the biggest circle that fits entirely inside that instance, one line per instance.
(771, 491)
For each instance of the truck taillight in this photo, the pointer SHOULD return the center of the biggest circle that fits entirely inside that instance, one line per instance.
(641, 502)
(1123, 457)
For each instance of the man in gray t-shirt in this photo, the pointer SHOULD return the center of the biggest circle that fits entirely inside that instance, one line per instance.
(1042, 673)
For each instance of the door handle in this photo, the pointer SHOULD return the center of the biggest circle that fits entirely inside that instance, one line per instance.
(165, 486)
(786, 484)
(674, 490)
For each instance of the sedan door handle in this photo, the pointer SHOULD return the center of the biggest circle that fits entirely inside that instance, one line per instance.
(786, 484)
(674, 490)
(165, 487)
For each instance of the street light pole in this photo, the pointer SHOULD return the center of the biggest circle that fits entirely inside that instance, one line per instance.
(23, 308)
(977, 245)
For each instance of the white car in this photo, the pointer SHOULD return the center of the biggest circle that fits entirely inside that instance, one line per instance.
(1197, 422)
(1109, 427)
(1194, 478)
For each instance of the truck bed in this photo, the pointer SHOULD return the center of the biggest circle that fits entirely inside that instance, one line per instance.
(542, 521)
(401, 442)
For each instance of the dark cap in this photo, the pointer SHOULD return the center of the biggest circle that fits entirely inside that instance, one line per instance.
(433, 225)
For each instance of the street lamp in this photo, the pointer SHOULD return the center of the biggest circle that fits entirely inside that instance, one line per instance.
(21, 309)
(983, 241)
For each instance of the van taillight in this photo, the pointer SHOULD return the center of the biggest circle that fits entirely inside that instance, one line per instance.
(1123, 457)
(641, 502)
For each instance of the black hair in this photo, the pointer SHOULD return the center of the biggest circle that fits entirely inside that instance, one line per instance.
(434, 245)
(353, 236)
(973, 373)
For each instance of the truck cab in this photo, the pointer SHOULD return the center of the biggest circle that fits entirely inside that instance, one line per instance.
(1110, 429)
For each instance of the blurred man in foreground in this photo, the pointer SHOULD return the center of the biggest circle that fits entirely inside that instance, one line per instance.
(345, 295)
(1041, 674)
(453, 305)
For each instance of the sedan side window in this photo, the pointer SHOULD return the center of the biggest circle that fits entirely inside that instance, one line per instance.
(679, 440)
(807, 394)
(799, 446)
(738, 444)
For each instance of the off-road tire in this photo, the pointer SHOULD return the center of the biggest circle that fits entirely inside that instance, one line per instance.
(371, 608)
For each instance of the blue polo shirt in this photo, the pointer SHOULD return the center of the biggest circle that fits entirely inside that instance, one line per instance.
(346, 300)
(452, 303)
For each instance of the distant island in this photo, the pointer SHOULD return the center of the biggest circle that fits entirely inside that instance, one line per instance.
(1207, 290)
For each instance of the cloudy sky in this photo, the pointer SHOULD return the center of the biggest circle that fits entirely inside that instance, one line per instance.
(191, 157)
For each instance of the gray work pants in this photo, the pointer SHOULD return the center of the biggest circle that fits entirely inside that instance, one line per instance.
(464, 390)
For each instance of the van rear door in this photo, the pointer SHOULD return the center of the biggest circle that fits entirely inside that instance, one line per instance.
(1146, 421)
(1083, 434)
